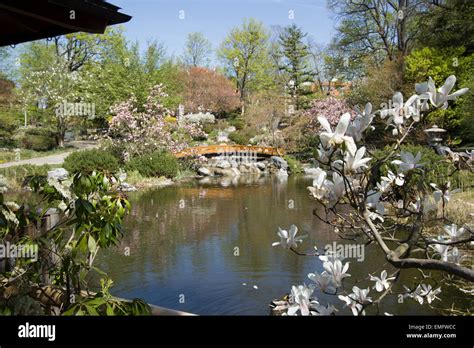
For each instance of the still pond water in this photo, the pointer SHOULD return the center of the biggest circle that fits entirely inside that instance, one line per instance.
(204, 240)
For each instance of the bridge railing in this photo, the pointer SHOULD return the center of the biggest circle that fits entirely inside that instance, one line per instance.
(228, 150)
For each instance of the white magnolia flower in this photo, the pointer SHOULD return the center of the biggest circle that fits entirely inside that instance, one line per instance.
(454, 232)
(361, 122)
(443, 192)
(288, 239)
(337, 271)
(400, 110)
(389, 180)
(323, 154)
(441, 249)
(428, 292)
(300, 300)
(356, 300)
(399, 179)
(319, 190)
(324, 310)
(456, 257)
(408, 161)
(337, 137)
(374, 203)
(427, 204)
(337, 186)
(415, 294)
(353, 163)
(323, 281)
(382, 282)
(440, 97)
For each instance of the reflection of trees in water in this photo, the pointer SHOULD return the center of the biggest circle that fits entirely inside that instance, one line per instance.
(166, 222)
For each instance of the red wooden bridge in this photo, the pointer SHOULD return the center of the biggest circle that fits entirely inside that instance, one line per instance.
(244, 150)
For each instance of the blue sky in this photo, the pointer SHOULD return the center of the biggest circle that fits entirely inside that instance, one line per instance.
(160, 19)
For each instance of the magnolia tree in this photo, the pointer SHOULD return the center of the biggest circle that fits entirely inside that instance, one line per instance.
(54, 86)
(137, 132)
(398, 211)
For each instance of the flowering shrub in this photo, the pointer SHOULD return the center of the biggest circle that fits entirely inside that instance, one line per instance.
(332, 108)
(400, 211)
(200, 117)
(138, 132)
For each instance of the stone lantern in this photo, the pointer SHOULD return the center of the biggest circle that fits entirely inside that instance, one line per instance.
(435, 136)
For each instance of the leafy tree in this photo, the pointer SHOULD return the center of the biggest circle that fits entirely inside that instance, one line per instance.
(245, 54)
(450, 23)
(197, 50)
(90, 216)
(383, 28)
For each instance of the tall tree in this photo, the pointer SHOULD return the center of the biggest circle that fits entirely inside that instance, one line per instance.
(197, 50)
(450, 23)
(385, 28)
(295, 53)
(245, 54)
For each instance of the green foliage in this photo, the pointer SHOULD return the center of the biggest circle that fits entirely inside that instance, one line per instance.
(449, 25)
(239, 138)
(88, 161)
(158, 163)
(438, 63)
(245, 54)
(293, 164)
(36, 138)
(238, 123)
(94, 212)
(103, 303)
(466, 114)
(294, 60)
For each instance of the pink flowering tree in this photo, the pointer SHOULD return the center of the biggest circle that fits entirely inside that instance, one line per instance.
(142, 130)
(332, 108)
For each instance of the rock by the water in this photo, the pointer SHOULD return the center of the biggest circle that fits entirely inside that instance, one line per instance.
(223, 164)
(279, 162)
(261, 165)
(58, 174)
(126, 187)
(226, 172)
(204, 171)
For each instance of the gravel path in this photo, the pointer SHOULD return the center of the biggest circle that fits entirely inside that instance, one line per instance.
(53, 159)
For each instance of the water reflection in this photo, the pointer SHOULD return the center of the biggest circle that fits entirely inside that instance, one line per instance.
(205, 239)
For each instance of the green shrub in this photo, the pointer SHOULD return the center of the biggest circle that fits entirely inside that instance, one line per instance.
(158, 163)
(239, 137)
(436, 168)
(36, 138)
(87, 161)
(293, 164)
(208, 128)
(238, 123)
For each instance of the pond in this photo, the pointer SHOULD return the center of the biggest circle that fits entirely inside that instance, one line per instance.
(206, 248)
